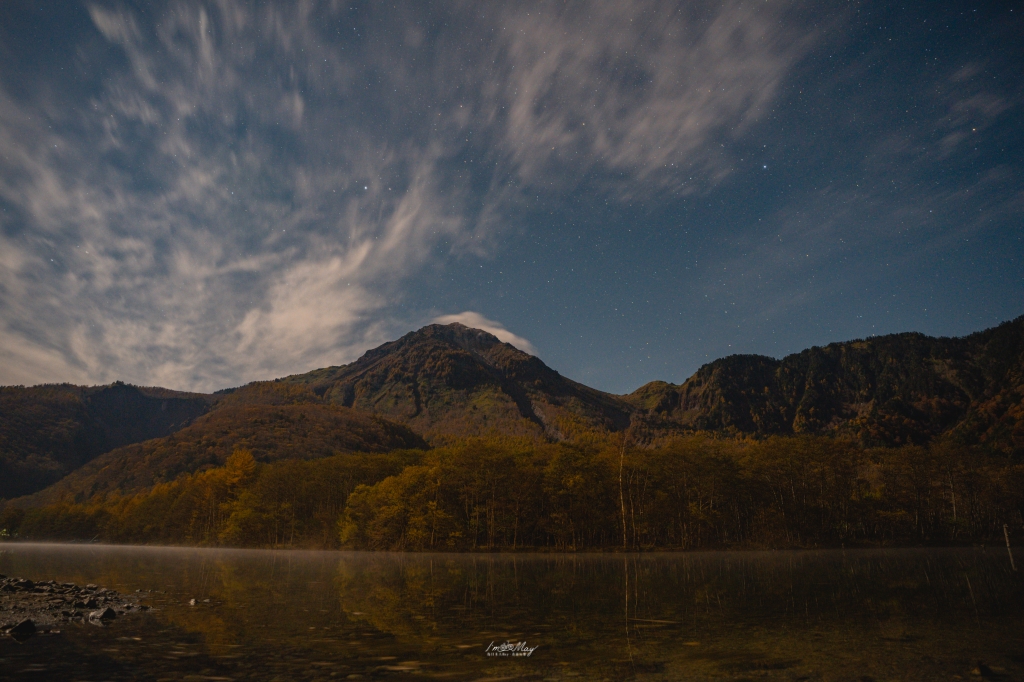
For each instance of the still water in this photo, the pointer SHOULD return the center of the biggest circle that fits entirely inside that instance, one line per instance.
(286, 615)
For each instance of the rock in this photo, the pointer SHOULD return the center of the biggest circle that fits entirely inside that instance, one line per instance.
(23, 629)
(48, 602)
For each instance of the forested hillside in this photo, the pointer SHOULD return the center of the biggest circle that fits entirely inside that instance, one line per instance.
(697, 492)
(271, 420)
(889, 390)
(46, 432)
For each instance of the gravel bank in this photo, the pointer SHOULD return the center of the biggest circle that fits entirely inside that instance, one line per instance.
(28, 607)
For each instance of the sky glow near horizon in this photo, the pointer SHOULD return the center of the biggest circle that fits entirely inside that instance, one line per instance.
(198, 195)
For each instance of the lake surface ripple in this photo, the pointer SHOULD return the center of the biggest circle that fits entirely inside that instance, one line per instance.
(914, 614)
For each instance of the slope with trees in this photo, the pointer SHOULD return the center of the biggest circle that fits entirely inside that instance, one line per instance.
(889, 390)
(697, 492)
(272, 420)
(46, 432)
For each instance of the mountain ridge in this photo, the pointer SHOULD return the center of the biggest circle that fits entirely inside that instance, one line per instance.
(889, 390)
(445, 382)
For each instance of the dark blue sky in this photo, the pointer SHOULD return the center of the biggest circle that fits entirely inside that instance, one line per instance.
(198, 195)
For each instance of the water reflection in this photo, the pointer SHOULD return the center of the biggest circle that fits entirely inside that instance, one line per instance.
(864, 615)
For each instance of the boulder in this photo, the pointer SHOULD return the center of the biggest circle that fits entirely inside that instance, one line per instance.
(103, 614)
(23, 629)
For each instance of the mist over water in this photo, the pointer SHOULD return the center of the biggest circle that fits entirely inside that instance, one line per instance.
(830, 615)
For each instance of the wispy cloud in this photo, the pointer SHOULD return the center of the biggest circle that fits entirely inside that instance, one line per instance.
(637, 90)
(205, 228)
(250, 191)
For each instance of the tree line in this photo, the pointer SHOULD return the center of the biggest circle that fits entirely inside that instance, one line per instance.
(601, 492)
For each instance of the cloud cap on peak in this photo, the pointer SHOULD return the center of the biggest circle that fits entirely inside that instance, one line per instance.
(477, 321)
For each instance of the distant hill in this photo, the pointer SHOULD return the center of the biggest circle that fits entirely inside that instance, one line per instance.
(451, 380)
(273, 420)
(46, 432)
(887, 390)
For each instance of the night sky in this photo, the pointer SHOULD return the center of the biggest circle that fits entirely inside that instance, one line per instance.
(198, 195)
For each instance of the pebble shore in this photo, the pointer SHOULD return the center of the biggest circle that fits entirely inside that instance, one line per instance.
(30, 607)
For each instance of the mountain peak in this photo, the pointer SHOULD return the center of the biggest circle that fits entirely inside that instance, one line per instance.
(447, 380)
(456, 335)
(467, 338)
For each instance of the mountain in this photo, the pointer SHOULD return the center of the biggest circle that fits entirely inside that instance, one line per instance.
(453, 381)
(272, 420)
(888, 390)
(46, 432)
(442, 383)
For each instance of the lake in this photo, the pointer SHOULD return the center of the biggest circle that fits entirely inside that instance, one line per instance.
(910, 614)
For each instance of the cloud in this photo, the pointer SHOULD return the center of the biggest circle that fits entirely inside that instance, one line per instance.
(200, 224)
(639, 90)
(478, 321)
(246, 194)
